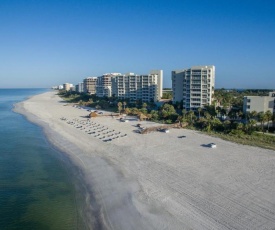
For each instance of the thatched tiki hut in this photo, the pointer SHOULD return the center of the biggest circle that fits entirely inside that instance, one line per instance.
(92, 114)
(142, 117)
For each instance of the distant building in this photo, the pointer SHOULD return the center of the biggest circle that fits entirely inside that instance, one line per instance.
(67, 86)
(72, 88)
(89, 85)
(104, 84)
(79, 87)
(194, 86)
(138, 87)
(60, 87)
(259, 103)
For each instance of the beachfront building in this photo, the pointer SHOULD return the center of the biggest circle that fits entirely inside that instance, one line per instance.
(60, 87)
(259, 103)
(145, 88)
(104, 84)
(194, 87)
(89, 85)
(67, 86)
(79, 87)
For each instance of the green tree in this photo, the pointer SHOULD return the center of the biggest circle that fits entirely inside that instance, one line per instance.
(119, 107)
(199, 111)
(268, 116)
(134, 111)
(124, 104)
(211, 110)
(190, 116)
(154, 115)
(251, 124)
(253, 114)
(184, 113)
(206, 121)
(226, 125)
(167, 110)
(261, 119)
(143, 110)
(167, 95)
(273, 119)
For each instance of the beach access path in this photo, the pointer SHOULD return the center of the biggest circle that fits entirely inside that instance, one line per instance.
(161, 180)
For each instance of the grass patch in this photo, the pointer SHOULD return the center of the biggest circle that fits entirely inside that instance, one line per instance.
(255, 139)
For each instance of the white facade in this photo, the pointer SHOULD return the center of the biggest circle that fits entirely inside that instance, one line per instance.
(104, 84)
(79, 87)
(194, 86)
(138, 87)
(259, 103)
(160, 81)
(89, 85)
(67, 86)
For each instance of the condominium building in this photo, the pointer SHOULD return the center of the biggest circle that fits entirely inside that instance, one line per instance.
(67, 86)
(259, 103)
(138, 87)
(79, 87)
(104, 84)
(89, 85)
(194, 86)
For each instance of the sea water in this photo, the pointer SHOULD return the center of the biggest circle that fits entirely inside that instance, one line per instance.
(36, 189)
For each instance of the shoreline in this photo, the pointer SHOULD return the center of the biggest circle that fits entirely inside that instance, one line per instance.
(157, 180)
(76, 173)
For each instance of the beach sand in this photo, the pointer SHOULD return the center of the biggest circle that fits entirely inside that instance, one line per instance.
(158, 180)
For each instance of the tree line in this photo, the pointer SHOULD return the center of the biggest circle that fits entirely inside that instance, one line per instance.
(224, 117)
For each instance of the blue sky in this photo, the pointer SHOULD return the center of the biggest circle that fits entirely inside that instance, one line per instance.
(45, 43)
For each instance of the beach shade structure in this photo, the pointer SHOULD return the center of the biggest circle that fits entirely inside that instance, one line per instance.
(92, 114)
(142, 117)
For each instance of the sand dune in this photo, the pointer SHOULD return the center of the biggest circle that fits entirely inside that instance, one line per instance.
(158, 180)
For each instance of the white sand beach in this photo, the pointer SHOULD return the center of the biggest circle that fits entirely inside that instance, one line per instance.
(159, 180)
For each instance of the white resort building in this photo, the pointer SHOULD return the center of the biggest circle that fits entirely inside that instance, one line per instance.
(194, 86)
(89, 85)
(68, 86)
(259, 103)
(138, 87)
(79, 87)
(104, 84)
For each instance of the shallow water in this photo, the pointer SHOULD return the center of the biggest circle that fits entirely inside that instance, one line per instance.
(37, 190)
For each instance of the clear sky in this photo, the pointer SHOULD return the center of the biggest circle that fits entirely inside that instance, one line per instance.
(45, 42)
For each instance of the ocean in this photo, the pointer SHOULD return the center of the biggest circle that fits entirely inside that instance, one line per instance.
(36, 187)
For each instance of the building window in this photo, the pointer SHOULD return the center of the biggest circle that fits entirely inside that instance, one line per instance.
(248, 107)
(248, 100)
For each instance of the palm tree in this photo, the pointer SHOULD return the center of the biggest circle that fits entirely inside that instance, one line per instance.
(119, 107)
(199, 111)
(251, 124)
(190, 115)
(184, 113)
(268, 116)
(253, 114)
(124, 104)
(273, 119)
(207, 121)
(261, 118)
